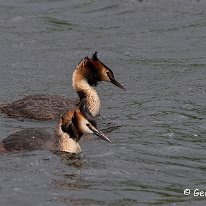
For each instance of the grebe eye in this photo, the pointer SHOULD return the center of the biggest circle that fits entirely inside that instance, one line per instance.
(110, 75)
(89, 126)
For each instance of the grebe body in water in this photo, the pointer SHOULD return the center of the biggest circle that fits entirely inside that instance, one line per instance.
(65, 139)
(85, 77)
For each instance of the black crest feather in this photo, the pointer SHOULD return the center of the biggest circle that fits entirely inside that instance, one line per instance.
(94, 56)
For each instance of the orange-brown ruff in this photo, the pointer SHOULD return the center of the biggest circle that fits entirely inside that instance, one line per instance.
(65, 140)
(87, 74)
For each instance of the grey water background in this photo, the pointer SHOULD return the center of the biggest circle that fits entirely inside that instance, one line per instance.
(156, 48)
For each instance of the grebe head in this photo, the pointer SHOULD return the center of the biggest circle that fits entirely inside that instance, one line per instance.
(82, 122)
(94, 71)
(104, 72)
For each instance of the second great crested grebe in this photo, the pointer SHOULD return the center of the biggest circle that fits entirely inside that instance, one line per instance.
(87, 74)
(65, 139)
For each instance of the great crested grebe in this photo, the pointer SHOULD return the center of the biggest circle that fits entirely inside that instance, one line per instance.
(87, 74)
(65, 139)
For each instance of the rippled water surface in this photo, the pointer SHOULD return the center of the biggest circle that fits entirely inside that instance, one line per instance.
(157, 50)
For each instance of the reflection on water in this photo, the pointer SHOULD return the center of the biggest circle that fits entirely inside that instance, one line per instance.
(157, 49)
(69, 182)
(71, 159)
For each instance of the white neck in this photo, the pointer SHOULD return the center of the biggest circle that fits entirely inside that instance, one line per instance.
(93, 101)
(65, 143)
(69, 144)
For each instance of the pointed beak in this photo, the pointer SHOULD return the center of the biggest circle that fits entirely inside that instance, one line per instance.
(115, 82)
(100, 134)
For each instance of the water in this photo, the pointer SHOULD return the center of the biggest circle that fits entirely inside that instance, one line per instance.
(157, 50)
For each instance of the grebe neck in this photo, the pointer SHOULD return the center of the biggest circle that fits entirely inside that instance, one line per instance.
(66, 143)
(84, 90)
